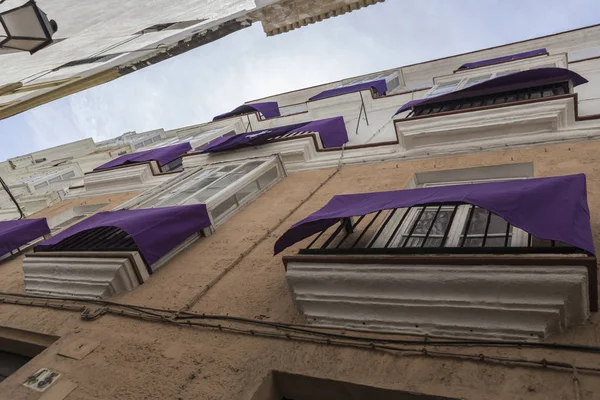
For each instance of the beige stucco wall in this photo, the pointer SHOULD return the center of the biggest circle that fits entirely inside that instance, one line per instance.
(137, 359)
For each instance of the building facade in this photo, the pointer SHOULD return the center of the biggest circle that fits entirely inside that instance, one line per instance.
(99, 42)
(433, 228)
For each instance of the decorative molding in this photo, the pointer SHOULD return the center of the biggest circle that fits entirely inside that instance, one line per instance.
(130, 178)
(512, 302)
(480, 125)
(83, 274)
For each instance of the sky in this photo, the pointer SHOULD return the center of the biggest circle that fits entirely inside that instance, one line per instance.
(215, 78)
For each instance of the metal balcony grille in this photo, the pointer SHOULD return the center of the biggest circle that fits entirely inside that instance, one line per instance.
(289, 135)
(445, 228)
(106, 238)
(490, 100)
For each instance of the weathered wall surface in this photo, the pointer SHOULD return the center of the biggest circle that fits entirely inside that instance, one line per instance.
(136, 359)
(11, 273)
(288, 15)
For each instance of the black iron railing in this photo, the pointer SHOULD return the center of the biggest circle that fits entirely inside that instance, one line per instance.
(105, 238)
(433, 228)
(539, 92)
(288, 135)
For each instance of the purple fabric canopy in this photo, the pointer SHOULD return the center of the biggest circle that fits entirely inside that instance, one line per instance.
(268, 109)
(214, 142)
(332, 132)
(518, 80)
(155, 231)
(379, 85)
(14, 234)
(550, 208)
(498, 60)
(162, 155)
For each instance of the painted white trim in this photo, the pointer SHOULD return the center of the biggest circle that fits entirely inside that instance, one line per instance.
(485, 301)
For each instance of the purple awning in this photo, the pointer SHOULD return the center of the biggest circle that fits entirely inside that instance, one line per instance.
(550, 208)
(14, 234)
(155, 231)
(162, 155)
(332, 132)
(268, 109)
(499, 60)
(518, 80)
(379, 85)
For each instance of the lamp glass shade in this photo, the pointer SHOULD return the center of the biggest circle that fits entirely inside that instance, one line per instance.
(26, 28)
(24, 21)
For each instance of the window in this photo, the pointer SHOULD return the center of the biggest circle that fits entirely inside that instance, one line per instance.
(18, 347)
(446, 225)
(443, 88)
(392, 79)
(224, 188)
(68, 222)
(72, 215)
(46, 179)
(476, 80)
(447, 87)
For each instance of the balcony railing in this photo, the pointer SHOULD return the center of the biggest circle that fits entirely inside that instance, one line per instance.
(539, 92)
(441, 228)
(107, 238)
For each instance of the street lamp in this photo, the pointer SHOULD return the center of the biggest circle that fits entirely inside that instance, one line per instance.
(26, 28)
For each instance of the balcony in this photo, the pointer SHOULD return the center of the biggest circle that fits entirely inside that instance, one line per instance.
(491, 100)
(448, 269)
(112, 252)
(511, 109)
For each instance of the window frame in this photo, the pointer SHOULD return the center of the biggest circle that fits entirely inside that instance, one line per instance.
(74, 215)
(519, 237)
(461, 82)
(393, 80)
(160, 195)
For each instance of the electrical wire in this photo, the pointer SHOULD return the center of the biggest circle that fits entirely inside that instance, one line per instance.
(12, 198)
(185, 317)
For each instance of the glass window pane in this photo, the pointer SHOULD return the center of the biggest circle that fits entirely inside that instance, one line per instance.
(268, 177)
(537, 242)
(434, 242)
(476, 80)
(495, 242)
(414, 242)
(228, 205)
(444, 88)
(441, 223)
(473, 242)
(499, 74)
(425, 220)
(497, 225)
(246, 191)
(478, 221)
(224, 182)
